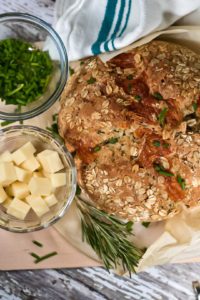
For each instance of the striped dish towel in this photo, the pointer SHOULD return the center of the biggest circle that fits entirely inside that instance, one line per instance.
(90, 27)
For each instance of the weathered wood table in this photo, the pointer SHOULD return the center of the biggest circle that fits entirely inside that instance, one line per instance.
(172, 282)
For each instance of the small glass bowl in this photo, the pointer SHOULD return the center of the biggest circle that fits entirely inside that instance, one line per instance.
(41, 35)
(11, 138)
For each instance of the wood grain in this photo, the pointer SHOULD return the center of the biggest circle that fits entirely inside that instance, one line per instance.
(172, 282)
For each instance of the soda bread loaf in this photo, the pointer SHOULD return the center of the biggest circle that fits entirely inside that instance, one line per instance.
(133, 123)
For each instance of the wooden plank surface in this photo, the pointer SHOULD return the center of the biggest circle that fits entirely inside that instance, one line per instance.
(172, 282)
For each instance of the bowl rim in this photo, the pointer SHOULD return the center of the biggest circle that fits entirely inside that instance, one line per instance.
(61, 145)
(64, 65)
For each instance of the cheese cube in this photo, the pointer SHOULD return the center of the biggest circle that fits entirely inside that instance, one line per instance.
(7, 202)
(18, 209)
(50, 161)
(38, 205)
(50, 200)
(20, 190)
(9, 190)
(37, 174)
(58, 179)
(3, 195)
(22, 175)
(7, 173)
(23, 153)
(6, 156)
(31, 164)
(40, 186)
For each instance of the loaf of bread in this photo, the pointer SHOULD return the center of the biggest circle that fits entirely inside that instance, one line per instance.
(133, 123)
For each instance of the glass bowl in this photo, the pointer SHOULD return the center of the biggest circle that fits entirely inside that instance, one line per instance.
(42, 36)
(11, 138)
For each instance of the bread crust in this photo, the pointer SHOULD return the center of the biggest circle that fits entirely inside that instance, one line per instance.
(125, 119)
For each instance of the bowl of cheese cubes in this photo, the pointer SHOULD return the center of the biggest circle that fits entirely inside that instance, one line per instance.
(37, 179)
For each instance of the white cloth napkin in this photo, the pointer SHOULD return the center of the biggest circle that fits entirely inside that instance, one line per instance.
(90, 27)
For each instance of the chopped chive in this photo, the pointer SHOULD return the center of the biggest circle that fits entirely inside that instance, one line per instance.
(41, 258)
(129, 87)
(35, 255)
(195, 106)
(181, 181)
(25, 72)
(166, 145)
(138, 98)
(146, 224)
(71, 71)
(55, 117)
(5, 123)
(81, 63)
(156, 143)
(161, 170)
(158, 96)
(129, 77)
(112, 140)
(37, 243)
(162, 116)
(78, 190)
(91, 80)
(96, 149)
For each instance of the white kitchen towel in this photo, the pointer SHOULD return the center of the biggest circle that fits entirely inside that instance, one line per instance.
(90, 27)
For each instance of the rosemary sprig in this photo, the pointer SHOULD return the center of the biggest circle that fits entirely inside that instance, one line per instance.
(108, 237)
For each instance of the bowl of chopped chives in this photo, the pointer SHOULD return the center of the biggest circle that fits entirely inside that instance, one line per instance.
(33, 66)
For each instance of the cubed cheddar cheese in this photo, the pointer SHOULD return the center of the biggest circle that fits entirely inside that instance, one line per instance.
(23, 153)
(7, 202)
(20, 190)
(6, 156)
(22, 175)
(38, 205)
(18, 209)
(40, 186)
(31, 164)
(3, 195)
(50, 200)
(58, 179)
(50, 161)
(7, 173)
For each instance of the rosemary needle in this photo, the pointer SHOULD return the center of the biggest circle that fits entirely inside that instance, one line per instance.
(35, 255)
(41, 258)
(108, 236)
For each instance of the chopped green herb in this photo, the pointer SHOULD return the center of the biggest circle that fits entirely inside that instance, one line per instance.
(162, 171)
(24, 70)
(113, 140)
(156, 143)
(81, 62)
(162, 116)
(195, 106)
(181, 182)
(166, 145)
(41, 258)
(53, 128)
(55, 117)
(146, 224)
(96, 149)
(158, 96)
(138, 98)
(78, 190)
(5, 123)
(35, 255)
(129, 87)
(129, 77)
(71, 71)
(91, 80)
(37, 243)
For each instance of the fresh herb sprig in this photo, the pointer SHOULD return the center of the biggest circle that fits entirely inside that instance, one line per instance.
(108, 237)
(24, 71)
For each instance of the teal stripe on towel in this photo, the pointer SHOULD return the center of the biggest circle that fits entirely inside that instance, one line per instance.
(120, 17)
(106, 26)
(127, 18)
